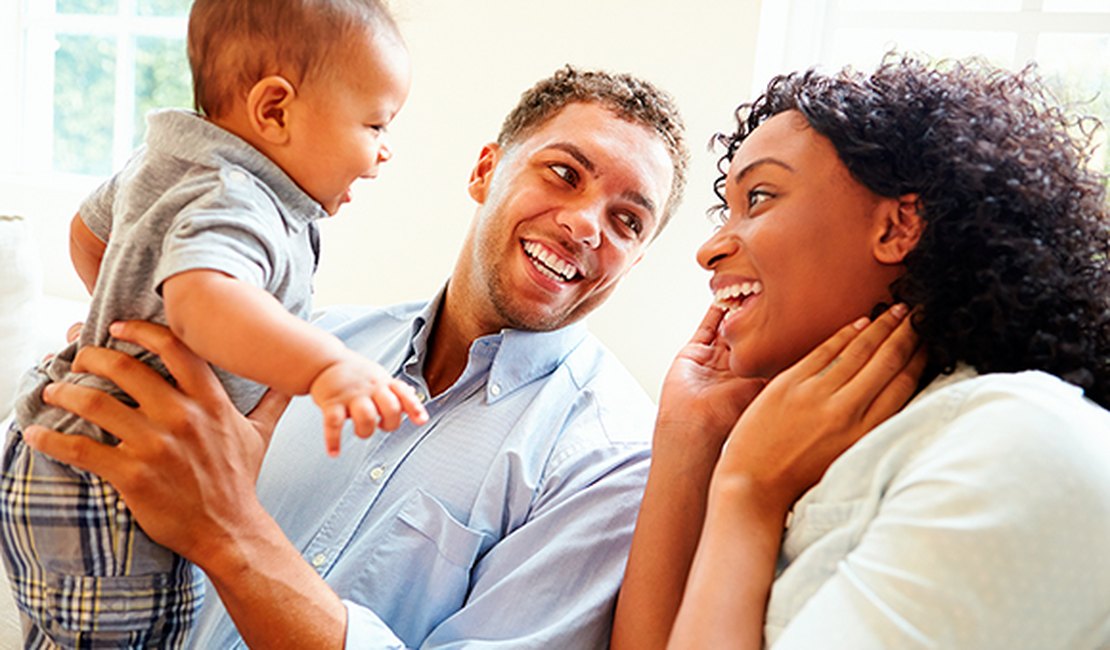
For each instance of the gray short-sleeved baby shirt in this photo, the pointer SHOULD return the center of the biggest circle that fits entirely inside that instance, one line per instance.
(195, 197)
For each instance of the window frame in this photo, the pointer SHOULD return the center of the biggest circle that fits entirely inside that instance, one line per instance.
(26, 126)
(796, 34)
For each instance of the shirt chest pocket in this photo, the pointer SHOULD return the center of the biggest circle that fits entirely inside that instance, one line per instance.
(418, 571)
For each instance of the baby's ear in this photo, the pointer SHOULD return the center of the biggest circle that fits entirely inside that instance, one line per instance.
(900, 229)
(482, 174)
(268, 106)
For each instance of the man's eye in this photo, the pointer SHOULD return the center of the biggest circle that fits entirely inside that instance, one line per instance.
(757, 196)
(377, 128)
(566, 173)
(631, 221)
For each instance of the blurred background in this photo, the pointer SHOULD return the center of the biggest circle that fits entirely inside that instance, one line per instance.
(82, 74)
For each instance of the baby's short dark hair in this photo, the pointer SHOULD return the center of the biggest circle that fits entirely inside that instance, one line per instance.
(235, 43)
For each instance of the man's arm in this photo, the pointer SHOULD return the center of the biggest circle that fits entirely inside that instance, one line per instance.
(186, 466)
(86, 250)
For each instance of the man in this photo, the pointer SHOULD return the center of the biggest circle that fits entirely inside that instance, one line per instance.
(505, 520)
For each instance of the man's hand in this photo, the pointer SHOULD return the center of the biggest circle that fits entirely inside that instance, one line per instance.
(187, 461)
(357, 388)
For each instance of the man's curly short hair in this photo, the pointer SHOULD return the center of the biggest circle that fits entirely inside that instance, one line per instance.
(631, 98)
(1013, 269)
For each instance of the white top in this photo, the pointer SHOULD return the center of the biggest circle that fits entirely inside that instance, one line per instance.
(978, 517)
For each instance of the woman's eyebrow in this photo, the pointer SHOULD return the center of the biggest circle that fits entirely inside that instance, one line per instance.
(759, 162)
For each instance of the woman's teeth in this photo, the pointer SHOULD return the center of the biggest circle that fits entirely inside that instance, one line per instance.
(732, 296)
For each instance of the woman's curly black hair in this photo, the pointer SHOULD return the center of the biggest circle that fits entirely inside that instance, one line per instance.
(1012, 271)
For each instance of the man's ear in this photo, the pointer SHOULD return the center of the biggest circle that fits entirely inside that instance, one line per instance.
(482, 174)
(900, 229)
(268, 108)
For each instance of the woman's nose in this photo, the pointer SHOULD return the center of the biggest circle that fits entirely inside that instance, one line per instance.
(720, 245)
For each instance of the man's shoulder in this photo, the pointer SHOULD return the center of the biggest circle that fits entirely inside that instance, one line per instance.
(613, 396)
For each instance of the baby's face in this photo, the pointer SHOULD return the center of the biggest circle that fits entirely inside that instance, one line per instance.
(338, 135)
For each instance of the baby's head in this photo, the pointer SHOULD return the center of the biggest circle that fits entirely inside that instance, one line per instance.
(310, 83)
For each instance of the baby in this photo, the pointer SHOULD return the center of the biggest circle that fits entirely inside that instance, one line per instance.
(210, 228)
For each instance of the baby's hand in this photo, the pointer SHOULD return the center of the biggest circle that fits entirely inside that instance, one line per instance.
(357, 388)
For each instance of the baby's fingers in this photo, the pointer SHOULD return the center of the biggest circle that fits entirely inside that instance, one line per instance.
(410, 403)
(389, 407)
(365, 416)
(334, 417)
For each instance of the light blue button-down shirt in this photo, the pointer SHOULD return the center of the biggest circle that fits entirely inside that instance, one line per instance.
(978, 517)
(503, 522)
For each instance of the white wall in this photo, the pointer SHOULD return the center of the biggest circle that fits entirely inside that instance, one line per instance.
(399, 237)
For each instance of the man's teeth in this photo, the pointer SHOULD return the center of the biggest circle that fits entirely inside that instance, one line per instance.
(726, 297)
(548, 263)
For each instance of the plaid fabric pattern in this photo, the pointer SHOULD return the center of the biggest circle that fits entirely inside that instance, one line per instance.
(83, 573)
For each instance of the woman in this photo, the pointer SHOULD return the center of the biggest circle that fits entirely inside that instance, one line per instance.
(978, 515)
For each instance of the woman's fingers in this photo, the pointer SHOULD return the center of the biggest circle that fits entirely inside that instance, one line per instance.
(823, 359)
(897, 391)
(881, 353)
(707, 329)
(193, 375)
(861, 349)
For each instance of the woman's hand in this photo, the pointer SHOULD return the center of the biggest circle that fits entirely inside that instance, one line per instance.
(813, 411)
(782, 444)
(701, 398)
(187, 461)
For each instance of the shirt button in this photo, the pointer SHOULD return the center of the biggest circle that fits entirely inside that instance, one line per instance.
(318, 560)
(422, 396)
(495, 390)
(377, 473)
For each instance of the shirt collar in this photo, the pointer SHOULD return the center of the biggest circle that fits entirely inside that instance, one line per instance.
(188, 136)
(512, 357)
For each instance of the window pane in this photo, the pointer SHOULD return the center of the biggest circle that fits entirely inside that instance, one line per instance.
(934, 5)
(84, 100)
(1077, 5)
(163, 7)
(87, 6)
(161, 78)
(864, 48)
(1075, 66)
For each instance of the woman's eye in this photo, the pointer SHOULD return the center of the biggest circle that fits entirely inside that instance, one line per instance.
(757, 196)
(566, 173)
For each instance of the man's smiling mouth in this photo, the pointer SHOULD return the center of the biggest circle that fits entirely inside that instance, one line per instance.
(550, 264)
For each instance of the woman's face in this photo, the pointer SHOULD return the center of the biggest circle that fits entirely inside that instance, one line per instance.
(796, 259)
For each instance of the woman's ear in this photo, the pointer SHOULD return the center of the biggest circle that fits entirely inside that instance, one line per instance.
(482, 174)
(268, 105)
(900, 229)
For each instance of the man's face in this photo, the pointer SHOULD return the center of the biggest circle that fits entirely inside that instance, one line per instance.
(564, 214)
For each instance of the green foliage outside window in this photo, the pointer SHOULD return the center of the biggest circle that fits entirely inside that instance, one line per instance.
(84, 100)
(161, 79)
(86, 6)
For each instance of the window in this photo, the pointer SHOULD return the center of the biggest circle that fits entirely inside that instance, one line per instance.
(89, 71)
(1069, 40)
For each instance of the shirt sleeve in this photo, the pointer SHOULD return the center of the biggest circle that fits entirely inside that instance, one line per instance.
(990, 538)
(96, 209)
(552, 581)
(234, 231)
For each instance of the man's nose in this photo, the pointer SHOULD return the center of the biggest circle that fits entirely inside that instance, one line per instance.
(583, 223)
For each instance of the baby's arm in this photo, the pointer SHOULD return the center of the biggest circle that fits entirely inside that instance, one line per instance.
(246, 331)
(86, 250)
